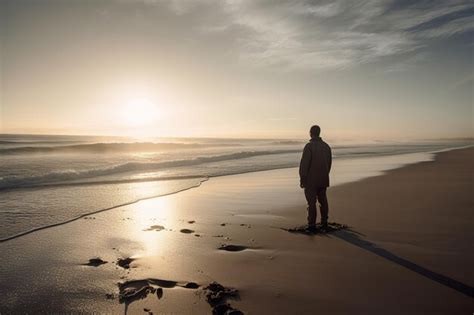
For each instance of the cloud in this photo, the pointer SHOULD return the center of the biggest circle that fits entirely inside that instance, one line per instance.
(460, 25)
(329, 34)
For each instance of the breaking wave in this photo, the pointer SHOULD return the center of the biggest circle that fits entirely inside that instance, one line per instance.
(107, 147)
(65, 177)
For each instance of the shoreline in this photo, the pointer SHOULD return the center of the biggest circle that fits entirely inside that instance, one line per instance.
(398, 216)
(414, 158)
(206, 177)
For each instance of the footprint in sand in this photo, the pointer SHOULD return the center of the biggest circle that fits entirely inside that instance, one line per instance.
(332, 227)
(125, 262)
(155, 228)
(186, 231)
(159, 293)
(191, 285)
(95, 262)
(233, 248)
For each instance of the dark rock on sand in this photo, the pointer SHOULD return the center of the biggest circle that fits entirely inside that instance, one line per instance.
(186, 231)
(233, 248)
(163, 283)
(216, 293)
(217, 296)
(225, 309)
(125, 262)
(95, 262)
(191, 222)
(134, 290)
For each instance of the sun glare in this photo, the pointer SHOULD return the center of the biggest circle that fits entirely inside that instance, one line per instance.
(138, 112)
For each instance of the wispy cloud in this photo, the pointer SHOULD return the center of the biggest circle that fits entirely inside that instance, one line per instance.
(330, 34)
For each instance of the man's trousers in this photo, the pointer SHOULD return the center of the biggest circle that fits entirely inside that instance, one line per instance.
(313, 195)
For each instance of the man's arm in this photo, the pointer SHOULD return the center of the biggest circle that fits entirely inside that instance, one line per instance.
(330, 158)
(304, 165)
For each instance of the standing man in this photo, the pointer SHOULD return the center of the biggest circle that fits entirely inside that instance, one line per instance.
(314, 177)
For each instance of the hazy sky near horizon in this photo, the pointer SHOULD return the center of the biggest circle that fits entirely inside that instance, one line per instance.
(369, 69)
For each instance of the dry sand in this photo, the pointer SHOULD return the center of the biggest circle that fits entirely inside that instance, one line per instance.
(409, 249)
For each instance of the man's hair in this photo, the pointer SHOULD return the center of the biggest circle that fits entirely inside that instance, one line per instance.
(315, 131)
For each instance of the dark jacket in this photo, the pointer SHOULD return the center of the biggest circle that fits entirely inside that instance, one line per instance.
(315, 164)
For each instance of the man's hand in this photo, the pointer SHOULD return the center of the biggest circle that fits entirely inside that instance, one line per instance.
(302, 182)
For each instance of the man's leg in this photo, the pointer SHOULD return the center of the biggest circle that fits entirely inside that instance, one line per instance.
(323, 205)
(311, 198)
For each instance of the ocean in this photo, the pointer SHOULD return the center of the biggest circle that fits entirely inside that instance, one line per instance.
(48, 180)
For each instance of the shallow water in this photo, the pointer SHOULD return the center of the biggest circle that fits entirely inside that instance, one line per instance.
(46, 180)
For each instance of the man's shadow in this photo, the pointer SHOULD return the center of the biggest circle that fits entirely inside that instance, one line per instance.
(352, 237)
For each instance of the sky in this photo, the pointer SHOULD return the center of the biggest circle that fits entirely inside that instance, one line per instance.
(368, 69)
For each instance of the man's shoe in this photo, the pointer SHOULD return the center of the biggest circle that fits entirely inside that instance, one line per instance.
(312, 229)
(324, 226)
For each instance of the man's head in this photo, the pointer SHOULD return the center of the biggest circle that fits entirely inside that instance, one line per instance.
(315, 131)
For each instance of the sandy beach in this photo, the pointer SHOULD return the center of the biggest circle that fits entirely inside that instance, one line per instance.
(408, 249)
(159, 156)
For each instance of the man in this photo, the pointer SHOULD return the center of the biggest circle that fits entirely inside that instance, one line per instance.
(314, 177)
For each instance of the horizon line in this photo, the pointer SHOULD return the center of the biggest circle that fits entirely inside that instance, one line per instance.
(230, 137)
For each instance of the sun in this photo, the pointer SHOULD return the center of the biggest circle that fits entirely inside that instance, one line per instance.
(139, 112)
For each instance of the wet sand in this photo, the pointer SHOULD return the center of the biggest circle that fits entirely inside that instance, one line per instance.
(408, 249)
